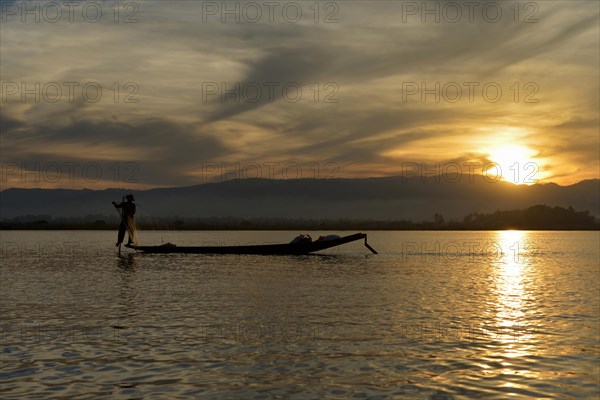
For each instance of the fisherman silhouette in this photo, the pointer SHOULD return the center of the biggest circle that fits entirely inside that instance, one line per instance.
(127, 211)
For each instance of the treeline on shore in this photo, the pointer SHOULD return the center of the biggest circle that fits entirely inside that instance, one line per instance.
(538, 217)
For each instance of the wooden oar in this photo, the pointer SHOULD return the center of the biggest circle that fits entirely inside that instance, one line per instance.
(369, 247)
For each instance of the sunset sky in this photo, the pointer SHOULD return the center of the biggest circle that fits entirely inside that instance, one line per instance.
(362, 68)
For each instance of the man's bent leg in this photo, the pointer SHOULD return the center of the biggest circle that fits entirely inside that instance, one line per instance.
(122, 229)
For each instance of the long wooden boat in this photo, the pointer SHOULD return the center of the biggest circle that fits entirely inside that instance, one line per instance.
(265, 249)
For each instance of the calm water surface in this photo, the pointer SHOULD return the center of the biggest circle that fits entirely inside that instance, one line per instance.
(436, 315)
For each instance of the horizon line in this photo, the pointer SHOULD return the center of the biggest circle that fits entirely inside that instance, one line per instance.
(430, 177)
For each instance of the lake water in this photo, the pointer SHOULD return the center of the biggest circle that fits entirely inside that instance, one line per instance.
(435, 315)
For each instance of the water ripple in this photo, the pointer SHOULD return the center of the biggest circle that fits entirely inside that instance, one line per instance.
(343, 325)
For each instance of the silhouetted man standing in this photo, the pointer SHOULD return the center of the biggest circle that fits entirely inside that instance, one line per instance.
(127, 211)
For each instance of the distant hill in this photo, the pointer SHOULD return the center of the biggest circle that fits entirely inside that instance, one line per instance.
(389, 198)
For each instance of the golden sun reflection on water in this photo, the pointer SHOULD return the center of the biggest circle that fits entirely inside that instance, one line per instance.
(510, 270)
(512, 293)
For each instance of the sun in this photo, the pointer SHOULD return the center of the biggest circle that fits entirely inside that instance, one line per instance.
(513, 163)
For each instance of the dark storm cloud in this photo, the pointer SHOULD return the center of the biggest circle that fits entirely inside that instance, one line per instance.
(160, 149)
(9, 124)
(279, 67)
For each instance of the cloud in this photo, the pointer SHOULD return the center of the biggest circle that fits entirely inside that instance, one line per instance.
(157, 152)
(368, 56)
(278, 68)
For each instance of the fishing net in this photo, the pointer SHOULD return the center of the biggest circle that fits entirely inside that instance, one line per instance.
(129, 224)
(131, 230)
